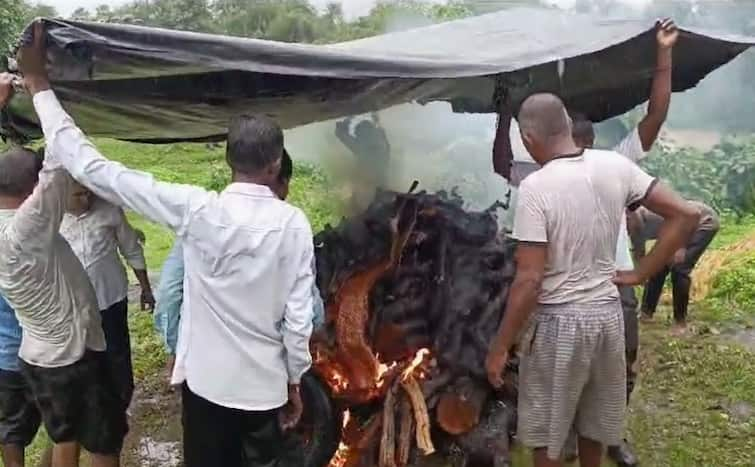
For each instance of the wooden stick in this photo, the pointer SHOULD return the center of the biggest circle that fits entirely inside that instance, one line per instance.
(406, 428)
(421, 417)
(388, 440)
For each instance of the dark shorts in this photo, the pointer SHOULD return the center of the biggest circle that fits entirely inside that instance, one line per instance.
(79, 403)
(19, 417)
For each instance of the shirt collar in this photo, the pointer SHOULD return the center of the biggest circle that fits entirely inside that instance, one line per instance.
(250, 189)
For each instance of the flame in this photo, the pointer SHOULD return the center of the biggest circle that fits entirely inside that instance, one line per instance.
(341, 456)
(419, 357)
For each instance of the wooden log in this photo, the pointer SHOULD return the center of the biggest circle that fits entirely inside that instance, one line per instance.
(387, 457)
(369, 437)
(421, 417)
(459, 408)
(406, 429)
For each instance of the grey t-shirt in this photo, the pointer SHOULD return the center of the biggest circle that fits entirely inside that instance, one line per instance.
(652, 222)
(576, 206)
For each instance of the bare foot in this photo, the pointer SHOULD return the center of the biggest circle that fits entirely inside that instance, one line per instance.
(646, 318)
(678, 329)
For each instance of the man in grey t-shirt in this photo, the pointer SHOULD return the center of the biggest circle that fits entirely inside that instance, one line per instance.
(567, 222)
(645, 225)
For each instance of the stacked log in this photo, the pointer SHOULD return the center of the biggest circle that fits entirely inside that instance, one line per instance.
(414, 273)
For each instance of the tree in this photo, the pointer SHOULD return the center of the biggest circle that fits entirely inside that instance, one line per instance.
(11, 22)
(81, 14)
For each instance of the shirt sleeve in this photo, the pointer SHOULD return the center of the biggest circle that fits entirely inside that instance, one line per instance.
(166, 203)
(128, 242)
(37, 221)
(530, 223)
(631, 146)
(297, 320)
(638, 183)
(170, 293)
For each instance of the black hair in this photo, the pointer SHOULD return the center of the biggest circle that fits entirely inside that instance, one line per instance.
(287, 167)
(19, 171)
(582, 127)
(254, 142)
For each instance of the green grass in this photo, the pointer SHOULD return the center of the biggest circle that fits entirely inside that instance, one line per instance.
(732, 230)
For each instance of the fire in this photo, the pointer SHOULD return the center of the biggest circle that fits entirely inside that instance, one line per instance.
(341, 456)
(419, 358)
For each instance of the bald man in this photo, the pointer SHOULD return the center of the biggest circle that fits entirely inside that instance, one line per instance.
(564, 304)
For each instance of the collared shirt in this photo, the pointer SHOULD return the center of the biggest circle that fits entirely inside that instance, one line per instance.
(42, 279)
(10, 337)
(552, 207)
(96, 237)
(170, 293)
(247, 314)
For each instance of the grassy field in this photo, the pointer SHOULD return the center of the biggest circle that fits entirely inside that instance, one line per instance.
(694, 403)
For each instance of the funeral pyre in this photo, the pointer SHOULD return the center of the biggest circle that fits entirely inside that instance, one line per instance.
(415, 287)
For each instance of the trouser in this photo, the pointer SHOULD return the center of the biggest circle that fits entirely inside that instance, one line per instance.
(220, 436)
(631, 334)
(681, 281)
(118, 353)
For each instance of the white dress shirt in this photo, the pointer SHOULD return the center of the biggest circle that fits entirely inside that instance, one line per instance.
(631, 148)
(247, 315)
(42, 279)
(96, 236)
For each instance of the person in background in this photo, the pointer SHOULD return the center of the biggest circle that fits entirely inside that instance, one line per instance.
(635, 146)
(19, 417)
(372, 151)
(247, 315)
(170, 290)
(564, 297)
(97, 231)
(62, 348)
(645, 225)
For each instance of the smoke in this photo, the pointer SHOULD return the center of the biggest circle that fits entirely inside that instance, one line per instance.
(444, 150)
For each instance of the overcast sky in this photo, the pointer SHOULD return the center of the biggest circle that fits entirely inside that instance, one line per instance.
(352, 8)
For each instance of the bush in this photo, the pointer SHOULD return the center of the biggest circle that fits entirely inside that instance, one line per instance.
(723, 177)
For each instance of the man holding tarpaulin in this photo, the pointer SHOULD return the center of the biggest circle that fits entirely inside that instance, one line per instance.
(247, 315)
(635, 146)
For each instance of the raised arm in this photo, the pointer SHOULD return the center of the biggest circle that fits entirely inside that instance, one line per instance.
(660, 93)
(167, 204)
(503, 155)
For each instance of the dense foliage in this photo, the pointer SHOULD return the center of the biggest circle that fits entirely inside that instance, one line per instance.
(723, 177)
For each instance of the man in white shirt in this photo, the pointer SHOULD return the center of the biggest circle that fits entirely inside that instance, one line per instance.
(247, 315)
(567, 222)
(97, 231)
(634, 146)
(62, 348)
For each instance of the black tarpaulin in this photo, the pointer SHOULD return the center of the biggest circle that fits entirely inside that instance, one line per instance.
(154, 85)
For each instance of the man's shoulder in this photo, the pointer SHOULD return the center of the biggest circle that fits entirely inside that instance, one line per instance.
(297, 218)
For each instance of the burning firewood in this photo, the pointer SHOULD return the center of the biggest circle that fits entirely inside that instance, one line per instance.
(459, 409)
(414, 271)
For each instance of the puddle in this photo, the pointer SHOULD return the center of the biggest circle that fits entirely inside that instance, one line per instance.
(159, 453)
(745, 338)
